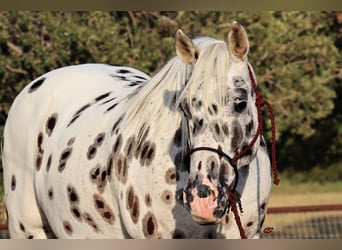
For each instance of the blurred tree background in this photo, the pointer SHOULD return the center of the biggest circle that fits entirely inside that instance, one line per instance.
(296, 57)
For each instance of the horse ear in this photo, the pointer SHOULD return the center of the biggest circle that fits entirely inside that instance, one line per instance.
(185, 48)
(238, 41)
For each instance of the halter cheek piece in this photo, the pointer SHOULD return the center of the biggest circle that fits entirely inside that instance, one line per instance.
(233, 195)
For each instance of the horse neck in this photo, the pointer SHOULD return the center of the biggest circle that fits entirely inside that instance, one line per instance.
(153, 111)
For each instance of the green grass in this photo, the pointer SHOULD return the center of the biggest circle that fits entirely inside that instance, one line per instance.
(293, 185)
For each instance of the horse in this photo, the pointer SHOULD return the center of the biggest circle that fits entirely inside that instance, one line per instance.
(104, 151)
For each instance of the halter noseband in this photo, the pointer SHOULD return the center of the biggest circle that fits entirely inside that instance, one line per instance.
(232, 194)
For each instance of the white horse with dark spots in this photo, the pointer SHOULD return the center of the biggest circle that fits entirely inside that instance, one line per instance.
(101, 151)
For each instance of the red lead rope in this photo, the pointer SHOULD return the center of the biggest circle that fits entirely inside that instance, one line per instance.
(260, 102)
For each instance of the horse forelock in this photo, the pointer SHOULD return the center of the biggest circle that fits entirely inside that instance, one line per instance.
(210, 74)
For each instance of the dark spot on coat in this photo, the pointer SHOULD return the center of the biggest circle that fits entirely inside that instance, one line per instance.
(71, 141)
(170, 176)
(63, 159)
(51, 123)
(217, 129)
(215, 109)
(225, 129)
(104, 210)
(40, 142)
(72, 194)
(199, 126)
(110, 163)
(67, 227)
(36, 84)
(75, 211)
(94, 173)
(48, 163)
(90, 221)
(13, 183)
(99, 139)
(167, 196)
(39, 160)
(227, 219)
(117, 145)
(212, 166)
(147, 153)
(121, 168)
(80, 110)
(50, 194)
(116, 124)
(22, 227)
(130, 147)
(109, 100)
(74, 118)
(99, 98)
(91, 152)
(150, 226)
(130, 198)
(111, 107)
(142, 135)
(148, 200)
(249, 128)
(237, 137)
(199, 166)
(123, 71)
(132, 204)
(135, 210)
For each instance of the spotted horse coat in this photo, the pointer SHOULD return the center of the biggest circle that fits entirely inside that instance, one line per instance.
(100, 151)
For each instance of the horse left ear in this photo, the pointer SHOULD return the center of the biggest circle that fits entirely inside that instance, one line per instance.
(185, 48)
(238, 41)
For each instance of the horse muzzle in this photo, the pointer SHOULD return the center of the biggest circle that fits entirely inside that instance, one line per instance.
(206, 201)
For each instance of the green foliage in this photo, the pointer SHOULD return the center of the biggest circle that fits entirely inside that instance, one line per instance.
(296, 56)
(317, 174)
(295, 60)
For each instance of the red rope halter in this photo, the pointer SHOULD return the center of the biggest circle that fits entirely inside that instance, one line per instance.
(260, 102)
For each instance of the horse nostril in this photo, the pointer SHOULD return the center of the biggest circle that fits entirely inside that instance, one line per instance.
(203, 191)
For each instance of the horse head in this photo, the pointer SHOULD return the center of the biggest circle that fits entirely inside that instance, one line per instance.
(220, 119)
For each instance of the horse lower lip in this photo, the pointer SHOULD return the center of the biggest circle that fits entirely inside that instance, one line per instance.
(203, 221)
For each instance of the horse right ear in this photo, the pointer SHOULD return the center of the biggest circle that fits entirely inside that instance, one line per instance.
(185, 48)
(238, 41)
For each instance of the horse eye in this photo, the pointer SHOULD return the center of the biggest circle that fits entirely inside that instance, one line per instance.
(239, 105)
